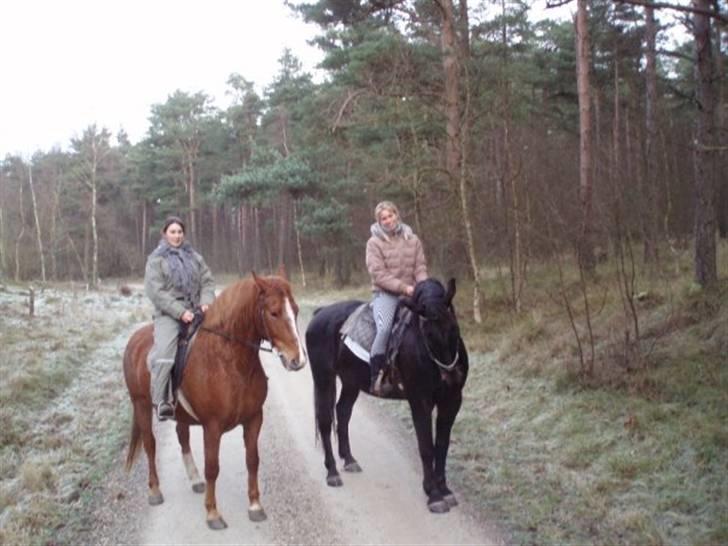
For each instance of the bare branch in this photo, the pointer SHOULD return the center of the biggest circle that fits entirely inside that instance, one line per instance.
(684, 9)
(556, 3)
(349, 98)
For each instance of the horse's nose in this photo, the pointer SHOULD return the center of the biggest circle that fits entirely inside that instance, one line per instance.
(294, 364)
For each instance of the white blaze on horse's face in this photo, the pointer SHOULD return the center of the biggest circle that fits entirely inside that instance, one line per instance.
(286, 339)
(300, 362)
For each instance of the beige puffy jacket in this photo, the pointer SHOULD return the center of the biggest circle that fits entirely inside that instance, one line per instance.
(395, 262)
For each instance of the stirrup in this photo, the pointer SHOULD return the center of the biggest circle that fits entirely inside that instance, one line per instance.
(381, 388)
(165, 411)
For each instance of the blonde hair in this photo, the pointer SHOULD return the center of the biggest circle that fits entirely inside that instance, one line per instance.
(385, 205)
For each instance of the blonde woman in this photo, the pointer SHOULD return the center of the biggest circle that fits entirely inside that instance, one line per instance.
(396, 261)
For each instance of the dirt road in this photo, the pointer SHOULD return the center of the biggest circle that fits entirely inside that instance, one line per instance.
(382, 505)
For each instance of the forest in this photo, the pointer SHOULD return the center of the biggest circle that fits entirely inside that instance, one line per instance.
(570, 174)
(504, 141)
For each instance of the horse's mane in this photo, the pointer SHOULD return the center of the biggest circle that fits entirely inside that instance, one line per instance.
(234, 309)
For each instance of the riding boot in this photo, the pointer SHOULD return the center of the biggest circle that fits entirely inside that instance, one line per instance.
(378, 387)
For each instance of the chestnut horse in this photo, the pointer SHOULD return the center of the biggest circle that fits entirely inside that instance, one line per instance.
(223, 385)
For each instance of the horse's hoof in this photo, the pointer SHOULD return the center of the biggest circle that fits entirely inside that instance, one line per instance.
(450, 500)
(155, 500)
(257, 515)
(198, 487)
(438, 507)
(334, 481)
(216, 524)
(352, 467)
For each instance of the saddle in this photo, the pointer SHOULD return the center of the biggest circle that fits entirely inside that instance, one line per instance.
(187, 333)
(359, 330)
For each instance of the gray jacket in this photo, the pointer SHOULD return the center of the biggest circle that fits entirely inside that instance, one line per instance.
(167, 299)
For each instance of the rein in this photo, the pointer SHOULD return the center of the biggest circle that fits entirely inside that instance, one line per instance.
(252, 345)
(235, 339)
(442, 365)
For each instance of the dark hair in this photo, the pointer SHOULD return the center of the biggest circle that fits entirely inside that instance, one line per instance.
(173, 220)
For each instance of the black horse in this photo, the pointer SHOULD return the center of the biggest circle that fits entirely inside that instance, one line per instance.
(432, 364)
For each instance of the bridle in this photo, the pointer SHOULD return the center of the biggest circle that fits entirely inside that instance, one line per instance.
(440, 364)
(252, 345)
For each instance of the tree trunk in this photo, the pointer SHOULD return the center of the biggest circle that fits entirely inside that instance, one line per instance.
(193, 201)
(39, 237)
(19, 239)
(94, 235)
(257, 243)
(190, 150)
(282, 230)
(586, 236)
(145, 229)
(651, 223)
(705, 223)
(511, 175)
(55, 215)
(721, 163)
(3, 257)
(216, 237)
(81, 263)
(298, 245)
(456, 115)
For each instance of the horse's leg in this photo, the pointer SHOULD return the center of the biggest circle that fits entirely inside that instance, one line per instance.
(446, 413)
(422, 419)
(183, 436)
(324, 399)
(251, 430)
(143, 418)
(344, 407)
(212, 434)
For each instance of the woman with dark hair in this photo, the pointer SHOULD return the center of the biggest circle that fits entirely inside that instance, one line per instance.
(178, 281)
(396, 262)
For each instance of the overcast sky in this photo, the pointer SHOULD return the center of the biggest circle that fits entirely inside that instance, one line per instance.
(69, 63)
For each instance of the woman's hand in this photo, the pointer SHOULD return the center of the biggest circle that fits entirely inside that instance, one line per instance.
(187, 317)
(409, 290)
(204, 308)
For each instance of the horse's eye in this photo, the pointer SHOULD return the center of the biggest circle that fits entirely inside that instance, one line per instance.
(275, 314)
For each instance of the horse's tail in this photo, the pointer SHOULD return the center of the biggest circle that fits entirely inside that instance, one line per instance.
(134, 442)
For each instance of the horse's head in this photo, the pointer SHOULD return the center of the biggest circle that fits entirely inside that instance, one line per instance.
(438, 324)
(278, 312)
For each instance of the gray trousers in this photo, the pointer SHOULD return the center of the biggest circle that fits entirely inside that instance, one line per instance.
(384, 306)
(161, 357)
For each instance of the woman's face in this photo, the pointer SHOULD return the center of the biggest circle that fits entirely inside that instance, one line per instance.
(388, 219)
(174, 235)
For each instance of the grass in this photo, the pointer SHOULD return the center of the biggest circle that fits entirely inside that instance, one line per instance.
(50, 455)
(635, 454)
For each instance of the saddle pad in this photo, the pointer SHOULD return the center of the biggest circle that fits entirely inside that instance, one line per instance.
(358, 331)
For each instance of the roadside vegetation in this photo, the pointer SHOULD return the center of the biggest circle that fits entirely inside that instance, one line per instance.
(635, 452)
(60, 395)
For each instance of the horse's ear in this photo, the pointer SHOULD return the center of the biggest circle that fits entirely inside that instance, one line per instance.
(450, 290)
(260, 282)
(282, 272)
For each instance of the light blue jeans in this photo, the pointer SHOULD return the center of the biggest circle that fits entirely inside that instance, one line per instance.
(384, 306)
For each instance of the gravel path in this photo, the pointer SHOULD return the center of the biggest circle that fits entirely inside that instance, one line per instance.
(382, 505)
